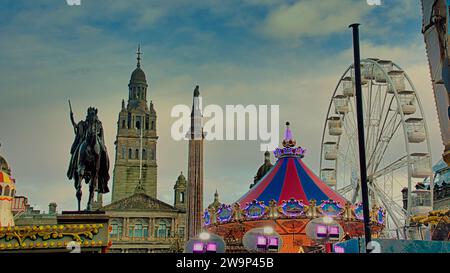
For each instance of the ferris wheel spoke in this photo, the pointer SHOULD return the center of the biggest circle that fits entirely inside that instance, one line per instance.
(349, 162)
(386, 145)
(384, 141)
(388, 202)
(355, 191)
(346, 189)
(375, 136)
(400, 163)
(350, 132)
(390, 207)
(382, 131)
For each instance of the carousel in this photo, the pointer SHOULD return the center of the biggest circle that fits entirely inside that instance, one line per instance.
(287, 200)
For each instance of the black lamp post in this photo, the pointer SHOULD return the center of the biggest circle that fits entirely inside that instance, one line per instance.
(361, 142)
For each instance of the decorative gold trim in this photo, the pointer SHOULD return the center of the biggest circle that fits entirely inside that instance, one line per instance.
(32, 233)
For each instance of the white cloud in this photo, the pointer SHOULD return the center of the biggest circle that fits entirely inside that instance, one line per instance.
(312, 18)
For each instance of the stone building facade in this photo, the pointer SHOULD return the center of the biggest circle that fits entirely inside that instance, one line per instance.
(135, 118)
(139, 222)
(143, 224)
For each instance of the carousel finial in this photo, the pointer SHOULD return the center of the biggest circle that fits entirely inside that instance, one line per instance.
(289, 140)
(288, 132)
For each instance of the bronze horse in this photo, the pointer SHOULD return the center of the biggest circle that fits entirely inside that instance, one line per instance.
(89, 160)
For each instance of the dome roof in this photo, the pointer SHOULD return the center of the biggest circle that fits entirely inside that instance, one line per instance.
(181, 179)
(4, 165)
(138, 76)
(216, 203)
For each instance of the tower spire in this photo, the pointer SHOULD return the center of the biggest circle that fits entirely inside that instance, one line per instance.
(216, 196)
(139, 53)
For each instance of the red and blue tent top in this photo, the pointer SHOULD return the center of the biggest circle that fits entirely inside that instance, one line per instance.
(291, 178)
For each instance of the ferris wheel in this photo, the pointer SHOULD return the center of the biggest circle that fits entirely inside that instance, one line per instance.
(398, 153)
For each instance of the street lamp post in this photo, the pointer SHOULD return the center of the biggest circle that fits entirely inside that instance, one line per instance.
(361, 142)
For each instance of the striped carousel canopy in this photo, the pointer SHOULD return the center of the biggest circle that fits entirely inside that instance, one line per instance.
(290, 178)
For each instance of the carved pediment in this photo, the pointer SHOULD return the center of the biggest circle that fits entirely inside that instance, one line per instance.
(139, 201)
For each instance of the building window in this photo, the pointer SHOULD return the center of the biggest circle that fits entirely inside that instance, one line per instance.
(153, 125)
(129, 120)
(116, 229)
(138, 124)
(181, 232)
(123, 124)
(130, 154)
(163, 229)
(145, 231)
(1, 190)
(6, 191)
(144, 155)
(136, 155)
(13, 192)
(181, 197)
(130, 231)
(138, 230)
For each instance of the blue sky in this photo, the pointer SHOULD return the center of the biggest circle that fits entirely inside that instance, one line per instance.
(289, 53)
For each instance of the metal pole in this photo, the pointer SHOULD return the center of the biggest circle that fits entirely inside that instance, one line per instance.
(361, 142)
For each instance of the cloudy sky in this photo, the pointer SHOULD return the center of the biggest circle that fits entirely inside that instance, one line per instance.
(263, 52)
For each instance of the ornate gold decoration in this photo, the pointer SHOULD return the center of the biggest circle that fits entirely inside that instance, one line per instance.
(45, 233)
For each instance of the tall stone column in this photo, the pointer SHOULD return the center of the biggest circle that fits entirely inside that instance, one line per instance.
(195, 169)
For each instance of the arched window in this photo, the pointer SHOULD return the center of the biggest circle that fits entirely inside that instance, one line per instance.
(116, 228)
(6, 191)
(136, 155)
(130, 154)
(130, 231)
(123, 124)
(163, 230)
(144, 154)
(145, 231)
(138, 124)
(138, 230)
(1, 190)
(181, 197)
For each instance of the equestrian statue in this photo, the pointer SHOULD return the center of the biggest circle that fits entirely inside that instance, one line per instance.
(89, 159)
